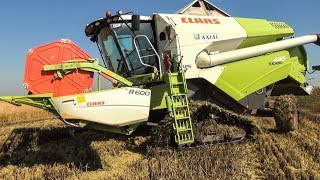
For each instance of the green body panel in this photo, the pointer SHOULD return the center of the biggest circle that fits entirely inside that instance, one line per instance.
(301, 53)
(158, 96)
(241, 78)
(261, 31)
(145, 79)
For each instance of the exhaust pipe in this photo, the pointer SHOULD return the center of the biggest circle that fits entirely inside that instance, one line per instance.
(205, 60)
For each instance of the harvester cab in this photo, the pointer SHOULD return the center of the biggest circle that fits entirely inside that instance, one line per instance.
(158, 63)
(127, 44)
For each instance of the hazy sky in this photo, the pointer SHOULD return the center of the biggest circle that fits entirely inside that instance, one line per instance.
(26, 24)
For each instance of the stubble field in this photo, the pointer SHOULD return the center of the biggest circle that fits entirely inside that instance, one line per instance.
(35, 145)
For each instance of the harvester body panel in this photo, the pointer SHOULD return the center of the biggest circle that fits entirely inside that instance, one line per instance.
(241, 78)
(114, 107)
(200, 40)
(192, 34)
(261, 31)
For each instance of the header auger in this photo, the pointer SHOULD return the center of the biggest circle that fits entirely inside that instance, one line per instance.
(158, 64)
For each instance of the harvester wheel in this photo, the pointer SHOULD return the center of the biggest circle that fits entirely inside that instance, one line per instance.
(286, 113)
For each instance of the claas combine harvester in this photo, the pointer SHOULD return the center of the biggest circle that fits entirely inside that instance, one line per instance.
(158, 64)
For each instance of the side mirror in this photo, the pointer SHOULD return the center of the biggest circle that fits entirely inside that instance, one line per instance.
(135, 22)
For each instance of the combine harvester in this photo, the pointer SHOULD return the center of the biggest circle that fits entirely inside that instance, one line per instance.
(158, 63)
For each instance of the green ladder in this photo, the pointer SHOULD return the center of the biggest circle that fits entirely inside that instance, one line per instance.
(179, 108)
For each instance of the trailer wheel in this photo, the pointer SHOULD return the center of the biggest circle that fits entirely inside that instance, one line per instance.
(286, 113)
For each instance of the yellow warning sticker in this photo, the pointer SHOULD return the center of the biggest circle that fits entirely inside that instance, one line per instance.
(81, 99)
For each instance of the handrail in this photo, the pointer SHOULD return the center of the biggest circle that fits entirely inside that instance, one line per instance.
(140, 57)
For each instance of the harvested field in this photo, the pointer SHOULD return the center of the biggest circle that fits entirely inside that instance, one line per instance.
(44, 149)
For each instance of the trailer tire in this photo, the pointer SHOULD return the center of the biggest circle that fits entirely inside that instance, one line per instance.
(286, 113)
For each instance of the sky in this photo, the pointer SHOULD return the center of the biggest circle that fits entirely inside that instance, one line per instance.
(27, 24)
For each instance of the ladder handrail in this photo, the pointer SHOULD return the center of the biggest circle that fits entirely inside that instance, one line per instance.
(140, 57)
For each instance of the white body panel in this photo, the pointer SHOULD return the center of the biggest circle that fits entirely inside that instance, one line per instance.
(194, 34)
(115, 107)
(208, 60)
(211, 74)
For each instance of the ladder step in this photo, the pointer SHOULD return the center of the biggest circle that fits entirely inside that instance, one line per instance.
(181, 109)
(182, 118)
(178, 83)
(183, 129)
(180, 106)
(148, 55)
(183, 126)
(182, 95)
(184, 137)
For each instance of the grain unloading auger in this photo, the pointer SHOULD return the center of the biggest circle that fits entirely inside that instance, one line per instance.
(158, 63)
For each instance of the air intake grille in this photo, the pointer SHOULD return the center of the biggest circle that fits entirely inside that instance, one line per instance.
(279, 25)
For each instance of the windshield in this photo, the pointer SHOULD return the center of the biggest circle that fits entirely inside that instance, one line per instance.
(117, 42)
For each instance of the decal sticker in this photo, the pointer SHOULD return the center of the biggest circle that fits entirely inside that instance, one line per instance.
(277, 60)
(97, 103)
(140, 92)
(199, 21)
(186, 67)
(81, 99)
(205, 36)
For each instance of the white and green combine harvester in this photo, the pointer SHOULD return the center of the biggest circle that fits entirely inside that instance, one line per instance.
(158, 63)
